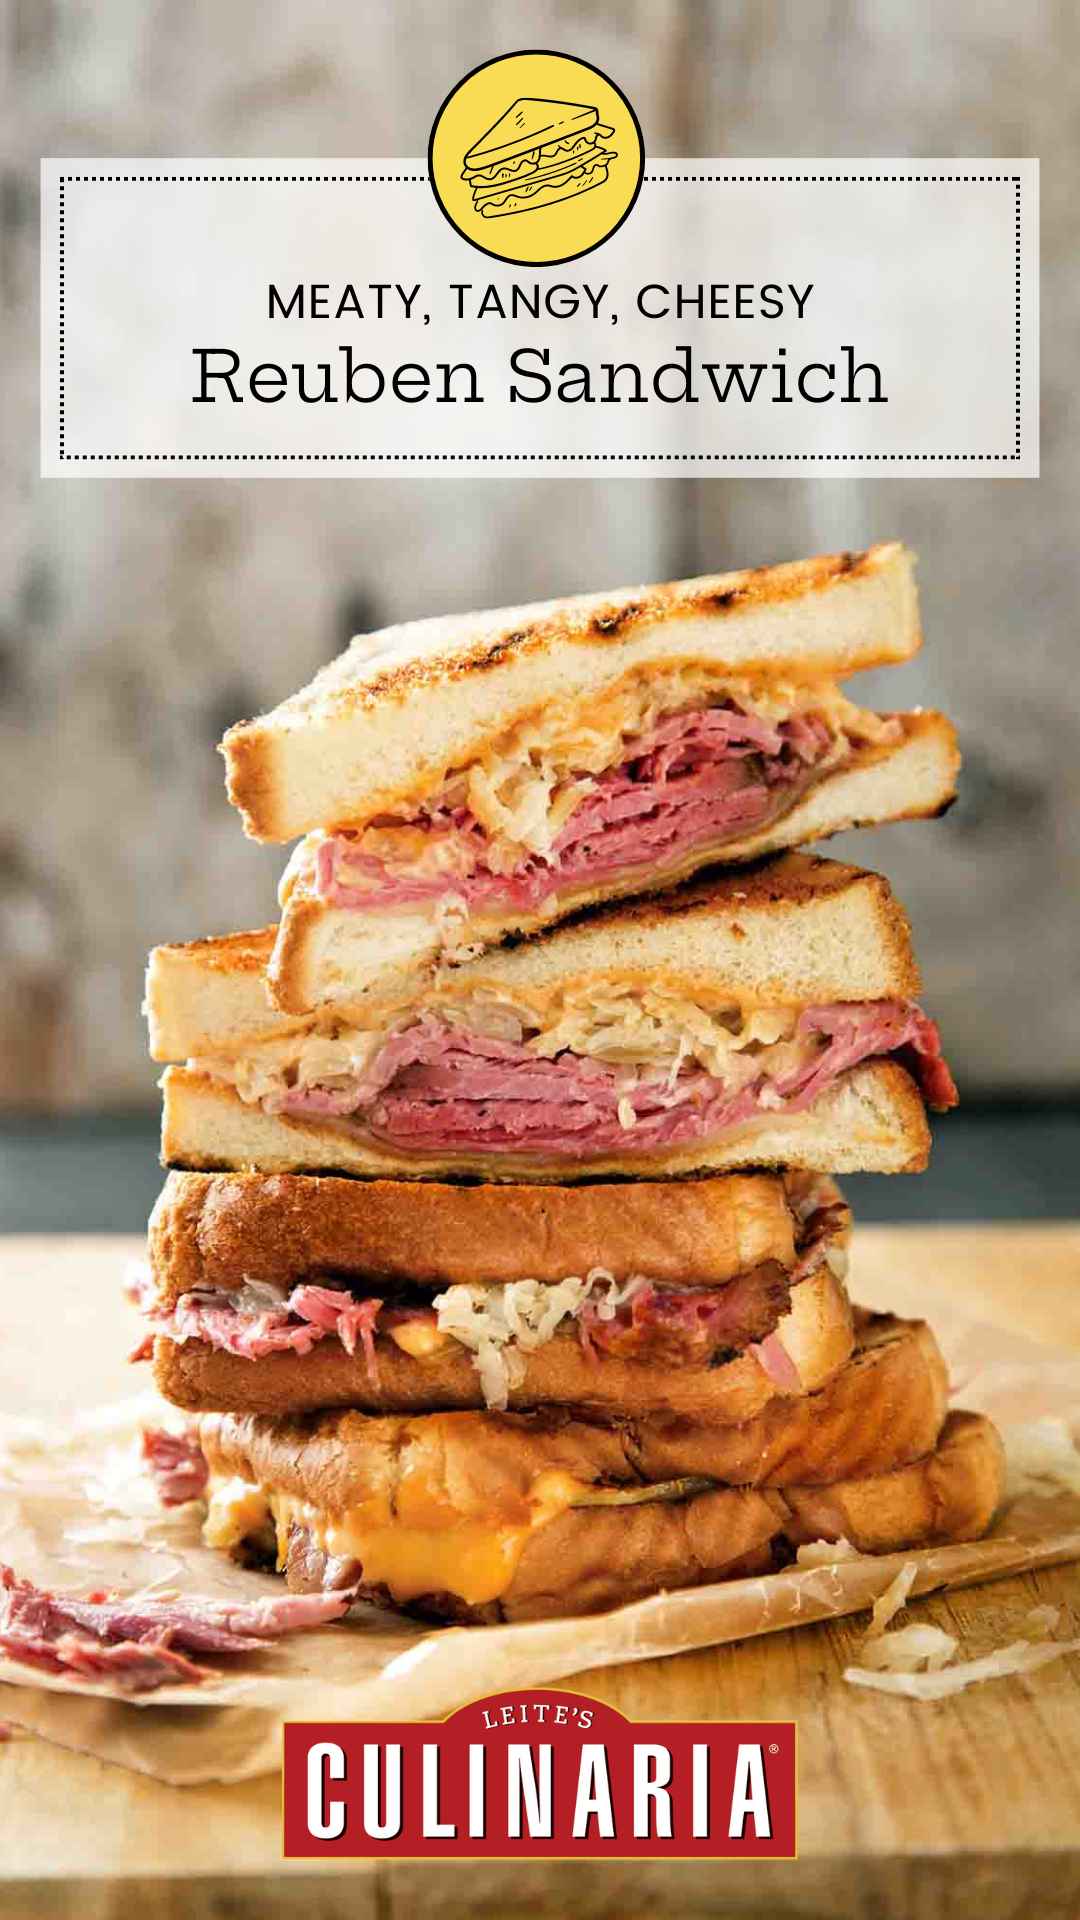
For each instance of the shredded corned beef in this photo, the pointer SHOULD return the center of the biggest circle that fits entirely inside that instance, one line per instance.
(140, 1644)
(660, 1323)
(436, 1087)
(176, 1464)
(301, 1320)
(698, 777)
(131, 1666)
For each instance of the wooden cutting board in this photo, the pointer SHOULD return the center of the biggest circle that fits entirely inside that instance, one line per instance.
(970, 1807)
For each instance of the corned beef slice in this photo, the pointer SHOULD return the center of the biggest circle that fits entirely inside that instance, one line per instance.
(137, 1645)
(690, 1325)
(295, 1326)
(439, 1087)
(698, 777)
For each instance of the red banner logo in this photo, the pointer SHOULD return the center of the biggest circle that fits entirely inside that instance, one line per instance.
(540, 1775)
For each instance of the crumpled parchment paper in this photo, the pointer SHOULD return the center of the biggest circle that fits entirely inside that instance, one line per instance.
(77, 1511)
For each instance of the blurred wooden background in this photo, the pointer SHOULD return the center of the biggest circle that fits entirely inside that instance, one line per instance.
(139, 617)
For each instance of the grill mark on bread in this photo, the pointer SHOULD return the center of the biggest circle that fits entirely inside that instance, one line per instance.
(227, 952)
(609, 625)
(688, 599)
(500, 650)
(774, 882)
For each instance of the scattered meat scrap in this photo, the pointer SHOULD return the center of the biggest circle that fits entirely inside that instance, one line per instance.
(138, 1644)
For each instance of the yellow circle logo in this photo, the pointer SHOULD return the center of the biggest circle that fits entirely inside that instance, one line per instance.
(536, 157)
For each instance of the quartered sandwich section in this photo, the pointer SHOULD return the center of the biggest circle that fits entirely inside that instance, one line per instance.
(760, 1018)
(574, 752)
(489, 1517)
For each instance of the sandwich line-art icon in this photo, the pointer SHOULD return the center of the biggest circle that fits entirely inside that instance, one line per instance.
(539, 152)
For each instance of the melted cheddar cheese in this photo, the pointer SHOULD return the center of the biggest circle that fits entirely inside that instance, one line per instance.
(420, 1544)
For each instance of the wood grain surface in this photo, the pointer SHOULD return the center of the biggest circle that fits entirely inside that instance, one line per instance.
(966, 1807)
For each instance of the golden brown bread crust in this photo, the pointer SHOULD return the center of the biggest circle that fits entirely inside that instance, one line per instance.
(589, 1559)
(883, 1408)
(216, 1230)
(586, 1561)
(588, 618)
(952, 1494)
(228, 952)
(490, 658)
(880, 1411)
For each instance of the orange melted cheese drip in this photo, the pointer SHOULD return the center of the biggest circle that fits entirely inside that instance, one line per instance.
(421, 1546)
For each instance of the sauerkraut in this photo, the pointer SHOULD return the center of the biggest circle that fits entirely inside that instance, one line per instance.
(523, 787)
(501, 1324)
(650, 1030)
(307, 1058)
(938, 1684)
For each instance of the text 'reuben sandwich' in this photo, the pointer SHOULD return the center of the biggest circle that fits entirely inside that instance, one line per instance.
(462, 779)
(765, 1017)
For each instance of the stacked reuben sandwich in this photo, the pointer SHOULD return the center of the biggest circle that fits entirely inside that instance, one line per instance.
(501, 1261)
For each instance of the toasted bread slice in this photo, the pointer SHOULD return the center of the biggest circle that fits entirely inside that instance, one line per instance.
(381, 726)
(872, 1120)
(219, 1230)
(796, 930)
(527, 1523)
(788, 931)
(951, 1494)
(328, 956)
(202, 995)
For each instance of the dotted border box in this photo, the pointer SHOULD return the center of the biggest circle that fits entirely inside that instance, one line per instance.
(653, 179)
